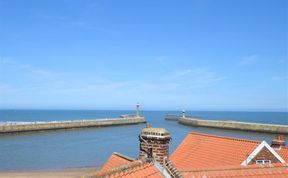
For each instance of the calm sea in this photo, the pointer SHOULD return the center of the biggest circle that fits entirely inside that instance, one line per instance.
(92, 146)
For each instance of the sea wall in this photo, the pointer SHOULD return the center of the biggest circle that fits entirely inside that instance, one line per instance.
(234, 125)
(171, 117)
(40, 126)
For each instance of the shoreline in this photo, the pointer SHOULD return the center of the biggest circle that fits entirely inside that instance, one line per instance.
(49, 173)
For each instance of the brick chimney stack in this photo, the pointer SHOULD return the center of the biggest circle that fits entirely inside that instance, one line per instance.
(278, 142)
(154, 144)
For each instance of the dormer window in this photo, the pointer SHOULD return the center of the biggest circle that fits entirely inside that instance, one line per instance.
(263, 161)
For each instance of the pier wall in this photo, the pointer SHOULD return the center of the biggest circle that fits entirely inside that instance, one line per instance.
(234, 125)
(171, 118)
(14, 128)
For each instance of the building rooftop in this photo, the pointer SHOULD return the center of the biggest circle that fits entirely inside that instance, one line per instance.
(283, 152)
(143, 170)
(115, 160)
(200, 155)
(130, 169)
(251, 171)
(208, 152)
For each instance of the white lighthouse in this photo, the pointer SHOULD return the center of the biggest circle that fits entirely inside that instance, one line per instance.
(138, 110)
(183, 113)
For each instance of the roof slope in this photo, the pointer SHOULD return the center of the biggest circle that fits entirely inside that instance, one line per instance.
(206, 152)
(283, 152)
(144, 170)
(251, 171)
(201, 152)
(116, 159)
(135, 168)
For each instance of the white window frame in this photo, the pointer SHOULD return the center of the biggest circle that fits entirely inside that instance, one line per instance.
(263, 161)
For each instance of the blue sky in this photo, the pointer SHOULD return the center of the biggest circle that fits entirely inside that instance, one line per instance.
(165, 54)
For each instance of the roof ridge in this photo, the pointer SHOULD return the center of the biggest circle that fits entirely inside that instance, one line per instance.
(124, 156)
(224, 137)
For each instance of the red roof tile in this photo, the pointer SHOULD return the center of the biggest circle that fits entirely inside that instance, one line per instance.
(251, 171)
(205, 152)
(283, 152)
(135, 169)
(115, 160)
(201, 155)
(145, 170)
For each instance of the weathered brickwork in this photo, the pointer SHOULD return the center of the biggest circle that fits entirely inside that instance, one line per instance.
(154, 144)
(159, 148)
(265, 154)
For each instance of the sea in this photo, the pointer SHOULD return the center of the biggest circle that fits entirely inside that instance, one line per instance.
(91, 147)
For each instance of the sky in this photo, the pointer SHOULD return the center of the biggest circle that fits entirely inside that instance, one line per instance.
(164, 54)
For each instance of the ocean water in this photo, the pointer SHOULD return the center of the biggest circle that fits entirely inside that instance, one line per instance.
(93, 146)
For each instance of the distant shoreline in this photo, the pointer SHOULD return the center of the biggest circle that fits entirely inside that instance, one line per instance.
(50, 173)
(146, 110)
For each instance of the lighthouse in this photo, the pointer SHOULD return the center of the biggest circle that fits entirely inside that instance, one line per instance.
(183, 113)
(138, 110)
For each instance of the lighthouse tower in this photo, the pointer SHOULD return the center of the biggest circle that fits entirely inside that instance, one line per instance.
(183, 113)
(138, 110)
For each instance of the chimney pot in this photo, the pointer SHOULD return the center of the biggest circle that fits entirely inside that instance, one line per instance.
(281, 137)
(154, 144)
(278, 142)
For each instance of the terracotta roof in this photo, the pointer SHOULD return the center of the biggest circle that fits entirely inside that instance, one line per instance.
(283, 152)
(199, 155)
(145, 170)
(206, 152)
(116, 159)
(135, 169)
(251, 171)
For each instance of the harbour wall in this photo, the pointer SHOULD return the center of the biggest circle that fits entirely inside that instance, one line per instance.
(55, 125)
(171, 117)
(234, 125)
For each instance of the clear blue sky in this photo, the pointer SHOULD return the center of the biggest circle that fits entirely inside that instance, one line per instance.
(165, 54)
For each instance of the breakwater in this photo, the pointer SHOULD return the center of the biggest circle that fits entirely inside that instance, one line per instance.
(17, 127)
(170, 117)
(234, 125)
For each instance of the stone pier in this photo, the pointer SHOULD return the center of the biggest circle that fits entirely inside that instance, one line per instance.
(14, 127)
(234, 125)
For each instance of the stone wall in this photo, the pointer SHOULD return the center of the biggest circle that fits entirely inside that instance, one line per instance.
(247, 126)
(69, 124)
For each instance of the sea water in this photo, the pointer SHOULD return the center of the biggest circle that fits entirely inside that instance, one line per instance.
(92, 146)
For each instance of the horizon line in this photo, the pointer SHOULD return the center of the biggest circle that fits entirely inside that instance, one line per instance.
(173, 110)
